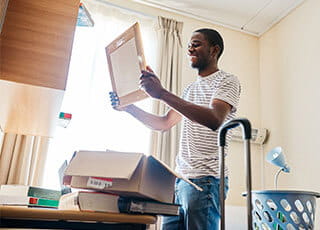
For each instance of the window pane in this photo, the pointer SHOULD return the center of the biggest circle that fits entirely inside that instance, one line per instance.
(95, 125)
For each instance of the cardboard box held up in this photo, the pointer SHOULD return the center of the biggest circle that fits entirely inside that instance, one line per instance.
(126, 174)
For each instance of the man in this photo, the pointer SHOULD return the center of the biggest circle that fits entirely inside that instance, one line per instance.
(206, 103)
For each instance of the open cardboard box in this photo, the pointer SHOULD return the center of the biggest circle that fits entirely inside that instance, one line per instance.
(123, 173)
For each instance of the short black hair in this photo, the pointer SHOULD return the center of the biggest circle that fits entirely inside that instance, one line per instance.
(213, 37)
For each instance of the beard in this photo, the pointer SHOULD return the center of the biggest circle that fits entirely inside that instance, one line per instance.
(200, 64)
(202, 60)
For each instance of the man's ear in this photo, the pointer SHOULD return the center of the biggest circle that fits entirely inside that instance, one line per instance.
(215, 50)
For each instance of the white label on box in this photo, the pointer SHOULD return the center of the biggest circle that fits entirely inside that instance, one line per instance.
(99, 182)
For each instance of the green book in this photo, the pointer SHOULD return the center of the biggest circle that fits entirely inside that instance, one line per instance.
(39, 202)
(14, 200)
(30, 191)
(44, 193)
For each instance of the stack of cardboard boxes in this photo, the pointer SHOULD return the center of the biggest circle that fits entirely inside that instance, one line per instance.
(130, 175)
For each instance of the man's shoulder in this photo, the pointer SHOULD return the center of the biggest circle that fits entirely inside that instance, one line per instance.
(228, 75)
(225, 76)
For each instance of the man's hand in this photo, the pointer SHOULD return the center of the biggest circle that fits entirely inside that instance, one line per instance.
(150, 83)
(115, 102)
(114, 99)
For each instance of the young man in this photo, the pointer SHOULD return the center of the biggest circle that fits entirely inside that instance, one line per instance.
(206, 103)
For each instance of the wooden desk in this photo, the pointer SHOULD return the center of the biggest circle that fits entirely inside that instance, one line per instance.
(22, 217)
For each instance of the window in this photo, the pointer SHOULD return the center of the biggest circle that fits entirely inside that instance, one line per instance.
(95, 125)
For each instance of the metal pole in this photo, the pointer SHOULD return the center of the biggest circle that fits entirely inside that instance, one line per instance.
(249, 182)
(222, 142)
(222, 182)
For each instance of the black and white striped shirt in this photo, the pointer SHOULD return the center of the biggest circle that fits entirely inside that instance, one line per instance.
(199, 153)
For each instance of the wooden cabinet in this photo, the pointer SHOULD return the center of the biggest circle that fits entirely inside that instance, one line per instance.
(35, 48)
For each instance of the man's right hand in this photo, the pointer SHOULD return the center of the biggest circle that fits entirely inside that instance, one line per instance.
(114, 99)
(115, 102)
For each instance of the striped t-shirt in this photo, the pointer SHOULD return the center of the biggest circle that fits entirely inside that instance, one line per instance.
(199, 152)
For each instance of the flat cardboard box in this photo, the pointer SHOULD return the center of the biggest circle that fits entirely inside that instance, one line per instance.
(126, 59)
(123, 173)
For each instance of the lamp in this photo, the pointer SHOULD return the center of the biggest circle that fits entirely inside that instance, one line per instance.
(276, 157)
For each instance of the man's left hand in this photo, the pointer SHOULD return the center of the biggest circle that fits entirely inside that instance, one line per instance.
(150, 83)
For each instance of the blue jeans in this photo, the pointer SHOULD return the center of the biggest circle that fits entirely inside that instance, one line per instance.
(199, 210)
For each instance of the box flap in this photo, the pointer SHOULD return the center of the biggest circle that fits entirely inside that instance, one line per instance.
(107, 164)
(175, 173)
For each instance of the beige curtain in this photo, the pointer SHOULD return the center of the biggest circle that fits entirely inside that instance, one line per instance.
(165, 145)
(22, 159)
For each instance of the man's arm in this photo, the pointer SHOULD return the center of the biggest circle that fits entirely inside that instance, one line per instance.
(160, 123)
(211, 117)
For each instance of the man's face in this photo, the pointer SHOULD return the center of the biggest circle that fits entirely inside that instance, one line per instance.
(199, 51)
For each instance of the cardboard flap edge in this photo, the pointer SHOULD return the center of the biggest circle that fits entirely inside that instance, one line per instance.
(73, 170)
(176, 174)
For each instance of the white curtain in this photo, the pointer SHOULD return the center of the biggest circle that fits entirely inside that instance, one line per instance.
(22, 159)
(165, 145)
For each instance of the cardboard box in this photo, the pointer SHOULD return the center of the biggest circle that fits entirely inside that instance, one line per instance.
(126, 174)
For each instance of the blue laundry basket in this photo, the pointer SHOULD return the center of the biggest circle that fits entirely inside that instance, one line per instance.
(283, 210)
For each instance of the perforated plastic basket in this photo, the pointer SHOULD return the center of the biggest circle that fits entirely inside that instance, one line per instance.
(283, 210)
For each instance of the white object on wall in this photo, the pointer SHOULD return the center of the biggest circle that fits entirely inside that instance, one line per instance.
(259, 136)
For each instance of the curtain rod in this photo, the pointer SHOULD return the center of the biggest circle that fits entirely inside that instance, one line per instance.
(127, 9)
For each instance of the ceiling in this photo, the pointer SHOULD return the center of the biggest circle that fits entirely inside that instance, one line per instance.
(250, 16)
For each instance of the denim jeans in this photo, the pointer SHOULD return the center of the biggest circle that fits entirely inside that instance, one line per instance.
(199, 210)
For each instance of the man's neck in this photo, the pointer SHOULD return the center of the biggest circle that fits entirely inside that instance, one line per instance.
(208, 71)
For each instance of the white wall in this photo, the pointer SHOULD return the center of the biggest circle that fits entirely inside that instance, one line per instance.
(289, 83)
(289, 72)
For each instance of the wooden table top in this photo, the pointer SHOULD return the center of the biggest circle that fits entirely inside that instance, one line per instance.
(16, 212)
